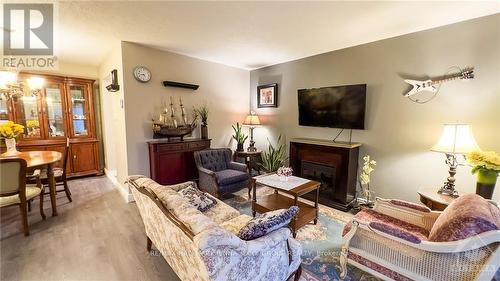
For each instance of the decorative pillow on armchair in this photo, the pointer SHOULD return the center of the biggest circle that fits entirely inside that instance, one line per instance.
(466, 216)
(198, 199)
(267, 223)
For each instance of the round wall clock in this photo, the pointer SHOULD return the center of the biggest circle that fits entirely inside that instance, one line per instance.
(142, 74)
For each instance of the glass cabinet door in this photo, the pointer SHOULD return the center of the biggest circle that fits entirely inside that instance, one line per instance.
(27, 113)
(54, 111)
(79, 111)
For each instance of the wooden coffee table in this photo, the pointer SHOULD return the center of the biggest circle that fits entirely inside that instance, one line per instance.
(295, 187)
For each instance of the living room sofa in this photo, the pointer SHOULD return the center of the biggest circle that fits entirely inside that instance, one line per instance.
(204, 246)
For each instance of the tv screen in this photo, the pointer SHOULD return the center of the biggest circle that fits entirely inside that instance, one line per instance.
(334, 107)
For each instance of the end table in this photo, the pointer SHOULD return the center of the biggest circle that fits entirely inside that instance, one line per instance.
(434, 200)
(250, 158)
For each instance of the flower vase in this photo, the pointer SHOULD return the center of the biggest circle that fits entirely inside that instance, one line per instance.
(485, 185)
(284, 178)
(239, 147)
(11, 147)
(204, 132)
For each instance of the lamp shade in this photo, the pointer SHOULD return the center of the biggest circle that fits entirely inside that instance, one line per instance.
(252, 120)
(456, 138)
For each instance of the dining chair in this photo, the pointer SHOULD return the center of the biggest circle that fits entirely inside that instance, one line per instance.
(15, 191)
(59, 175)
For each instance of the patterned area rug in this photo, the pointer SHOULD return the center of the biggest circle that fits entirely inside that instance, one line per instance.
(321, 243)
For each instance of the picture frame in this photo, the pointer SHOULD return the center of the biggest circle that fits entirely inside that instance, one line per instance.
(267, 95)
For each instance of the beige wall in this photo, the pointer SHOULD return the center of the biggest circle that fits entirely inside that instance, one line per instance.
(113, 121)
(224, 89)
(398, 132)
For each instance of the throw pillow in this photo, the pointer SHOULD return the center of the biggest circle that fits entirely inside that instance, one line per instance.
(198, 198)
(268, 222)
(466, 216)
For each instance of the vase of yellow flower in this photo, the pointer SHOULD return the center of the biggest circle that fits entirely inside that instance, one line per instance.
(364, 181)
(9, 131)
(486, 164)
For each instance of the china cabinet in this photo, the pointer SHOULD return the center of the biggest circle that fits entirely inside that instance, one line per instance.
(63, 109)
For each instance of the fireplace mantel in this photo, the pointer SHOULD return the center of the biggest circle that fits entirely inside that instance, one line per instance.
(339, 158)
(326, 142)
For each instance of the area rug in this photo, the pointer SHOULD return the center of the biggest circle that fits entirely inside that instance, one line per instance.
(321, 243)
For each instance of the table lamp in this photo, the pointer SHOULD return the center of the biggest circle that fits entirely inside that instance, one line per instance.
(455, 139)
(252, 121)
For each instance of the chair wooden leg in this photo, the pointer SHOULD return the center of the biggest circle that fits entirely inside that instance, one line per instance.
(29, 206)
(298, 273)
(149, 244)
(66, 190)
(24, 217)
(41, 205)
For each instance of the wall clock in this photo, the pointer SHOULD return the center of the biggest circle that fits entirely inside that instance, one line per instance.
(142, 74)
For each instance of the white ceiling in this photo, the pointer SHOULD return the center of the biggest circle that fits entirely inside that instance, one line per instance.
(247, 34)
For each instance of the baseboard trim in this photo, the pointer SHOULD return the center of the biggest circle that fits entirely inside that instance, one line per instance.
(123, 189)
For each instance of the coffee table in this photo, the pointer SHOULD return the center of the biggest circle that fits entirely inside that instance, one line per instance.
(295, 187)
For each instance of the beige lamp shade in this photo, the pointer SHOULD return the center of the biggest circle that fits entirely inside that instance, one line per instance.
(456, 138)
(252, 120)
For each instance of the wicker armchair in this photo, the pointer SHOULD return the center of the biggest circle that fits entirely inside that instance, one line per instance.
(398, 240)
(218, 174)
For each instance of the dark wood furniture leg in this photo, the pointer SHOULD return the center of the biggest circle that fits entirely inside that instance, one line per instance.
(149, 244)
(298, 273)
(66, 190)
(295, 219)
(39, 183)
(316, 206)
(52, 188)
(24, 216)
(254, 182)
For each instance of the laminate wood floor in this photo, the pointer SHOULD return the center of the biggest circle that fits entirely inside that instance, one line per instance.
(96, 237)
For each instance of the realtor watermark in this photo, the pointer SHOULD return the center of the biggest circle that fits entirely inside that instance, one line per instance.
(28, 36)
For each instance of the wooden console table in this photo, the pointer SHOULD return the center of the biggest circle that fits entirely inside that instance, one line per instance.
(275, 201)
(172, 162)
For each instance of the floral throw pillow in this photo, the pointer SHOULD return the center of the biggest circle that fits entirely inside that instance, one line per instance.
(268, 222)
(198, 199)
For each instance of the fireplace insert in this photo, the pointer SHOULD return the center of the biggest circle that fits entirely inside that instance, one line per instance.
(325, 174)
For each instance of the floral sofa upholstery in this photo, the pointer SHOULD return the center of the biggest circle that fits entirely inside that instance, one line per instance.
(398, 240)
(204, 246)
(219, 174)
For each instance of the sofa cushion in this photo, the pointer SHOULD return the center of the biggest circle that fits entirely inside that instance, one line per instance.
(225, 177)
(466, 216)
(267, 223)
(370, 216)
(221, 212)
(199, 199)
(234, 225)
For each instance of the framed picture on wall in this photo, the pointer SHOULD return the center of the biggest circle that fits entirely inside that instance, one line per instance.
(267, 95)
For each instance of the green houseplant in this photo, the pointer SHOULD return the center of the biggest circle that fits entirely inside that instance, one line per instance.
(486, 164)
(202, 111)
(239, 136)
(274, 157)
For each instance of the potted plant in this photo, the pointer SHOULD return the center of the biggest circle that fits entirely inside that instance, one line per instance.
(203, 113)
(364, 180)
(486, 164)
(239, 136)
(9, 131)
(274, 157)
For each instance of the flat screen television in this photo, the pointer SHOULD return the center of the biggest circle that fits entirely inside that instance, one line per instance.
(334, 107)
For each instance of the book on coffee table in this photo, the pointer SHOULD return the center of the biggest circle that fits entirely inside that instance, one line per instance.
(293, 186)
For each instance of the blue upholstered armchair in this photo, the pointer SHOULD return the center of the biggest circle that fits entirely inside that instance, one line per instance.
(219, 174)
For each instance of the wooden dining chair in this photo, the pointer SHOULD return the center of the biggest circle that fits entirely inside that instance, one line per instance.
(59, 175)
(15, 191)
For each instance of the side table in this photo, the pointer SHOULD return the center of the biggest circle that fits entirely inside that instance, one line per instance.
(434, 200)
(250, 158)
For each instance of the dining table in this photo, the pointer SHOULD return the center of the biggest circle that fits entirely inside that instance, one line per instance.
(39, 160)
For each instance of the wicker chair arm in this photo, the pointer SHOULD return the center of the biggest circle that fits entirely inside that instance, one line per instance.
(471, 243)
(237, 166)
(420, 218)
